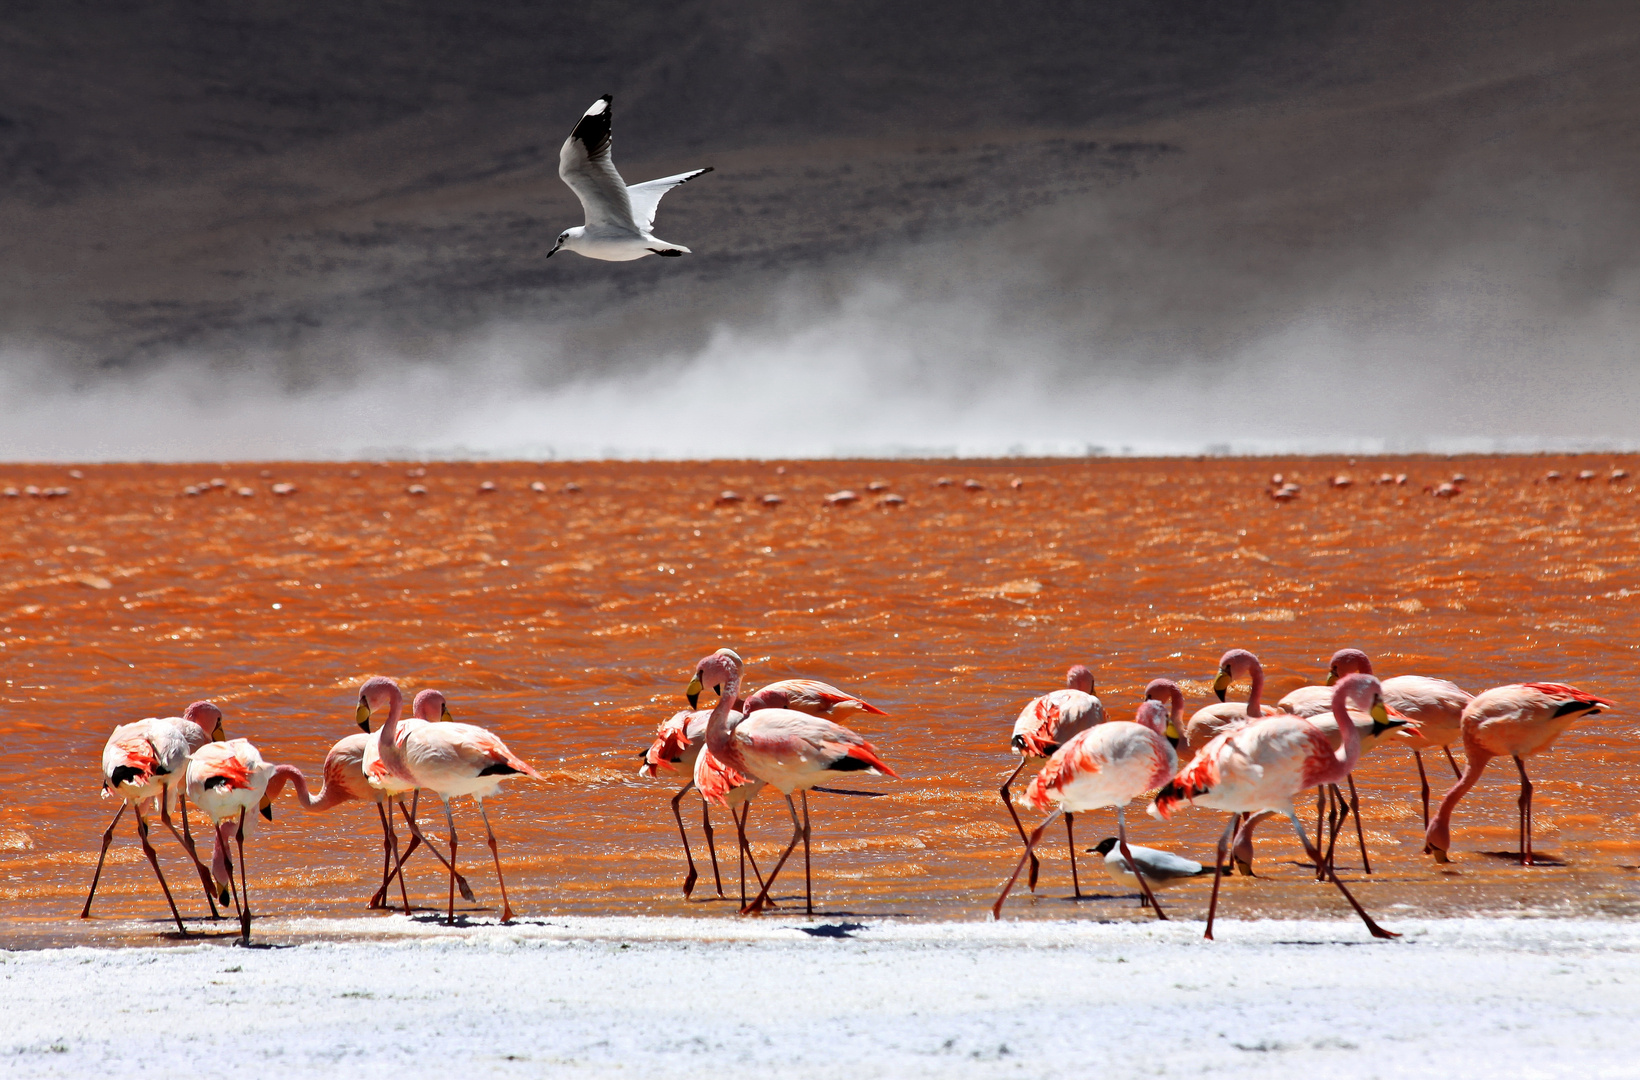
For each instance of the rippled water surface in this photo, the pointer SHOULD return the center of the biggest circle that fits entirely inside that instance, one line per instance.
(568, 622)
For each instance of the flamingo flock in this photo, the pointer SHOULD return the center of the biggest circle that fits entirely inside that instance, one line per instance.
(1249, 759)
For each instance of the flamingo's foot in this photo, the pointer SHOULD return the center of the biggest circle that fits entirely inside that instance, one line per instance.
(464, 889)
(689, 884)
(506, 914)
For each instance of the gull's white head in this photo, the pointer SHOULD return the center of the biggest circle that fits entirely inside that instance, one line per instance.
(567, 240)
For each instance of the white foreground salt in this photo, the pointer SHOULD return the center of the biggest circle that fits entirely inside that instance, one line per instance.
(637, 997)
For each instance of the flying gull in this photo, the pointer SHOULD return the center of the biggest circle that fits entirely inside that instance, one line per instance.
(619, 216)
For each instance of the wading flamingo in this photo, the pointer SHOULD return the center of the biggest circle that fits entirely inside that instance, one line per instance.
(677, 746)
(1520, 720)
(790, 751)
(1107, 765)
(142, 760)
(1206, 723)
(1258, 767)
(380, 692)
(809, 696)
(1434, 708)
(1044, 725)
(226, 779)
(450, 760)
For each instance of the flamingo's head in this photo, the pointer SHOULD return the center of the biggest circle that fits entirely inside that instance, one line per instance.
(208, 717)
(1154, 715)
(1348, 662)
(716, 671)
(1079, 677)
(1362, 693)
(1167, 690)
(1232, 666)
(430, 706)
(377, 692)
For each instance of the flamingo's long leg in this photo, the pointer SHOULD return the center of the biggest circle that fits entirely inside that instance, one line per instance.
(211, 895)
(797, 834)
(1423, 787)
(1360, 835)
(688, 856)
(1452, 761)
(108, 838)
(188, 843)
(450, 819)
(1008, 801)
(808, 882)
(1070, 841)
(379, 900)
(417, 839)
(1241, 853)
(1121, 840)
(747, 857)
(398, 861)
(153, 859)
(711, 847)
(1030, 843)
(244, 884)
(1376, 930)
(1218, 872)
(506, 907)
(1525, 814)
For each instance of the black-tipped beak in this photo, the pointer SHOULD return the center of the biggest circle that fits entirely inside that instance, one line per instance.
(1382, 721)
(1332, 677)
(362, 715)
(692, 692)
(267, 811)
(217, 734)
(1221, 684)
(445, 715)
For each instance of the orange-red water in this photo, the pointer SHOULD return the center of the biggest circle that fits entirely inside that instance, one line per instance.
(568, 623)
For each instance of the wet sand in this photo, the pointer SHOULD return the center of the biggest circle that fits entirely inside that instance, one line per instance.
(566, 621)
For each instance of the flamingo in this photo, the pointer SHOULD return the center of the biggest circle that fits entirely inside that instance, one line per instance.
(1434, 707)
(1044, 725)
(451, 760)
(141, 760)
(788, 750)
(1520, 720)
(226, 779)
(677, 746)
(810, 696)
(1207, 722)
(380, 692)
(1107, 765)
(1258, 767)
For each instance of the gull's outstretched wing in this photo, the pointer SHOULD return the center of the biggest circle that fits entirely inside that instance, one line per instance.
(646, 197)
(584, 163)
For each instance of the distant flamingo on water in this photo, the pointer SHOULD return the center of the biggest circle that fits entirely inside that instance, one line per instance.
(1044, 725)
(788, 750)
(226, 779)
(1106, 765)
(142, 760)
(451, 760)
(1520, 720)
(1258, 767)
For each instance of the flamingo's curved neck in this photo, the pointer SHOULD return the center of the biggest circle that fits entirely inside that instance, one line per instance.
(290, 773)
(388, 747)
(717, 725)
(1349, 735)
(1256, 673)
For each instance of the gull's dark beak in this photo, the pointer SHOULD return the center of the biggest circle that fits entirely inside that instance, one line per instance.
(1221, 684)
(362, 715)
(1332, 677)
(445, 716)
(692, 692)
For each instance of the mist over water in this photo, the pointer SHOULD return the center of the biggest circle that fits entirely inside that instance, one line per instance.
(1096, 326)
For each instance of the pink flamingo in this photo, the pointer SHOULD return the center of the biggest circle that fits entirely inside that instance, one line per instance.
(809, 696)
(677, 746)
(140, 761)
(226, 779)
(1107, 765)
(451, 760)
(1520, 720)
(788, 750)
(1434, 707)
(1044, 725)
(1258, 767)
(1208, 722)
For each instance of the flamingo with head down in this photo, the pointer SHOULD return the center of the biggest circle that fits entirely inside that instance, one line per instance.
(1258, 767)
(143, 760)
(1044, 725)
(1519, 720)
(1106, 765)
(790, 751)
(677, 746)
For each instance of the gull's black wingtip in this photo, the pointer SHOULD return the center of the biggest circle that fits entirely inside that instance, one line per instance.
(594, 127)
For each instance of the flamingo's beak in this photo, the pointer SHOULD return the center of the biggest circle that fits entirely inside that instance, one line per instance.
(362, 715)
(1173, 735)
(692, 691)
(445, 715)
(1382, 721)
(266, 809)
(1221, 684)
(217, 734)
(1332, 677)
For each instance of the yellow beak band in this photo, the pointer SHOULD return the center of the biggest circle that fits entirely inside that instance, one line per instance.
(692, 692)
(1221, 684)
(217, 734)
(1332, 677)
(362, 715)
(445, 715)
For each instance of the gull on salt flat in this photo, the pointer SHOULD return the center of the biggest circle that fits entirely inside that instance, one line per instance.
(619, 216)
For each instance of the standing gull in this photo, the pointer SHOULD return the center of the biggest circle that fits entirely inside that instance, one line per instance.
(619, 216)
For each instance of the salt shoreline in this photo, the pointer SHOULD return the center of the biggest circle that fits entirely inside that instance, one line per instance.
(661, 997)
